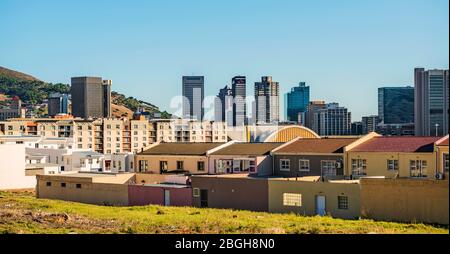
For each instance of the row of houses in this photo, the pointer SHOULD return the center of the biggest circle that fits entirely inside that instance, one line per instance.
(385, 178)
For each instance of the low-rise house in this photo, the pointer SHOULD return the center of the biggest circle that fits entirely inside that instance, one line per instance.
(311, 157)
(175, 158)
(392, 157)
(252, 158)
(122, 162)
(309, 196)
(442, 157)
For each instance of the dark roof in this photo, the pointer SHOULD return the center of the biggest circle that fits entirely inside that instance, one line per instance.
(180, 149)
(323, 145)
(248, 149)
(398, 144)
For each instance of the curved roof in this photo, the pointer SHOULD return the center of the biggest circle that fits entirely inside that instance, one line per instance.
(288, 133)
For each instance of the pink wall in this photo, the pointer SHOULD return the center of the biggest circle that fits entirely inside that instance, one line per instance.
(139, 195)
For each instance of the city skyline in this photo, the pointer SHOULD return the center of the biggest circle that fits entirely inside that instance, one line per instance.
(319, 44)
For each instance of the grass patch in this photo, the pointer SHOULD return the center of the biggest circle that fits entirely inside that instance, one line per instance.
(23, 213)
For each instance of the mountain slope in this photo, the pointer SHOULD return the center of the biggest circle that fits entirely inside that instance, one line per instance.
(33, 91)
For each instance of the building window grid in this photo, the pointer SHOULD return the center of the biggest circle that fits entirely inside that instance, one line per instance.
(418, 168)
(292, 199)
(303, 165)
(285, 165)
(359, 167)
(392, 165)
(446, 162)
(343, 202)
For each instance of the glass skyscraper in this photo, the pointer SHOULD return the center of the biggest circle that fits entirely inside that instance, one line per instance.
(396, 105)
(297, 102)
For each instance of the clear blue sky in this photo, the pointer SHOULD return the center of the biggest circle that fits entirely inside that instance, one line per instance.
(343, 49)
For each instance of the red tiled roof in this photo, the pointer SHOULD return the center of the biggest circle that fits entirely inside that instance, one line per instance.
(398, 144)
(323, 145)
(443, 141)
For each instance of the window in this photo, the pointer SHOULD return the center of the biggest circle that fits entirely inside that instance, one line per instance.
(343, 202)
(80, 127)
(285, 165)
(180, 165)
(446, 158)
(418, 168)
(78, 185)
(303, 165)
(131, 165)
(292, 199)
(200, 166)
(196, 192)
(114, 164)
(359, 167)
(392, 165)
(48, 184)
(163, 165)
(143, 165)
(328, 168)
(63, 185)
(120, 165)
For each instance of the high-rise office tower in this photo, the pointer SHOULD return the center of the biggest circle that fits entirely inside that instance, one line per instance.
(91, 97)
(223, 106)
(238, 87)
(312, 108)
(193, 94)
(369, 124)
(333, 120)
(431, 101)
(267, 101)
(58, 104)
(297, 103)
(396, 105)
(357, 128)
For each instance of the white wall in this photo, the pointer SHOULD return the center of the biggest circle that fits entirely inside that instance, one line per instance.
(12, 168)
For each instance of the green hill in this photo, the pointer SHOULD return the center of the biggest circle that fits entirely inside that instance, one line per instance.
(34, 91)
(23, 213)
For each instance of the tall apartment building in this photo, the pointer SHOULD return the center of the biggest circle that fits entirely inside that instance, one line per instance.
(333, 120)
(91, 97)
(239, 91)
(267, 101)
(431, 99)
(58, 104)
(179, 130)
(297, 101)
(313, 108)
(193, 92)
(223, 106)
(369, 124)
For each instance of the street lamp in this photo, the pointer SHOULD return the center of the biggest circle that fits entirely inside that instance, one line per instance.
(436, 125)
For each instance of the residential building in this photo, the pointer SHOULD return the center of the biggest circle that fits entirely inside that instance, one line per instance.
(175, 158)
(391, 157)
(431, 99)
(301, 157)
(193, 92)
(442, 150)
(267, 101)
(333, 120)
(297, 103)
(223, 107)
(180, 130)
(238, 158)
(91, 97)
(369, 124)
(58, 104)
(239, 92)
(13, 110)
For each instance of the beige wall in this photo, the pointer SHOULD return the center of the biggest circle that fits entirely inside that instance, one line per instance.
(190, 163)
(441, 150)
(376, 163)
(309, 191)
(405, 200)
(90, 193)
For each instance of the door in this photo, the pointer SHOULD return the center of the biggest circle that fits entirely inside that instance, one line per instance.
(320, 205)
(203, 198)
(167, 197)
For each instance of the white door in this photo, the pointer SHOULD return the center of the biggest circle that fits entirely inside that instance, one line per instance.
(167, 197)
(320, 205)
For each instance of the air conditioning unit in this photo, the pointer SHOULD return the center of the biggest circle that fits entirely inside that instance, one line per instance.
(440, 176)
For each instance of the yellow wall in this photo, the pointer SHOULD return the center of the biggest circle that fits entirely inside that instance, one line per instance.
(309, 191)
(441, 150)
(376, 163)
(90, 193)
(190, 163)
(405, 200)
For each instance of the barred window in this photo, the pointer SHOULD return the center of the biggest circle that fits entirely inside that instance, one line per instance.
(285, 165)
(343, 202)
(392, 165)
(292, 199)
